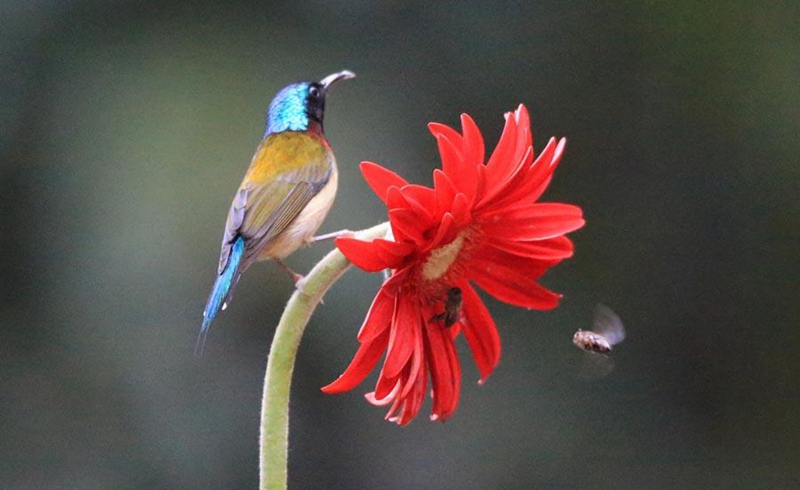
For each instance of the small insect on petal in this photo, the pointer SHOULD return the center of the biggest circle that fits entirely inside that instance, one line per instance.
(452, 308)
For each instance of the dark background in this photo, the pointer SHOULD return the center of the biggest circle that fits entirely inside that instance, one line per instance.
(126, 128)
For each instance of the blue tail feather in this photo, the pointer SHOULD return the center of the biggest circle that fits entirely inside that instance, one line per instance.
(221, 292)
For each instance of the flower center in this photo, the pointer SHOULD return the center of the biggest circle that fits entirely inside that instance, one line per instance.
(441, 259)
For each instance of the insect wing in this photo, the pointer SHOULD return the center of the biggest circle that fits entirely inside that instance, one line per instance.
(608, 324)
(593, 366)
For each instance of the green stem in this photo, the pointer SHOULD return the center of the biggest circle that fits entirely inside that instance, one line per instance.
(274, 439)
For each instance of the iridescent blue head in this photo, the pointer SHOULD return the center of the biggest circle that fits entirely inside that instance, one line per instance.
(299, 105)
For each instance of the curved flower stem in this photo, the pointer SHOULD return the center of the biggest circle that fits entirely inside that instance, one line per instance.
(274, 439)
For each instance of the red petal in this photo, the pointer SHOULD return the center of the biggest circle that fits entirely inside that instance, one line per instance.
(536, 221)
(527, 182)
(460, 161)
(556, 248)
(364, 361)
(480, 332)
(395, 199)
(506, 282)
(537, 192)
(499, 186)
(524, 139)
(392, 253)
(372, 397)
(379, 316)
(455, 368)
(526, 267)
(474, 149)
(420, 193)
(405, 328)
(398, 405)
(438, 129)
(420, 199)
(461, 214)
(416, 396)
(380, 178)
(409, 400)
(481, 184)
(512, 153)
(446, 232)
(547, 169)
(407, 225)
(445, 192)
(385, 388)
(445, 371)
(501, 160)
(417, 363)
(396, 280)
(451, 158)
(361, 253)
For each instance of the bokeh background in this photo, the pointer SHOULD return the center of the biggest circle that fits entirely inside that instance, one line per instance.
(126, 127)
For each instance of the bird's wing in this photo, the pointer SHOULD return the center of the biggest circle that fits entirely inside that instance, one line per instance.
(608, 324)
(263, 208)
(275, 209)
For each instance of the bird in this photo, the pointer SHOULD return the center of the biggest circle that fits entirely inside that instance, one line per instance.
(285, 195)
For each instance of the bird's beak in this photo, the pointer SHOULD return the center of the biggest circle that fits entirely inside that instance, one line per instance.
(335, 77)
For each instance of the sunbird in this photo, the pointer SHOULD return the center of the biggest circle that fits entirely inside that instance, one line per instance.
(286, 193)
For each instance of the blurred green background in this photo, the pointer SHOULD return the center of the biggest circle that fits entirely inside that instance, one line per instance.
(126, 127)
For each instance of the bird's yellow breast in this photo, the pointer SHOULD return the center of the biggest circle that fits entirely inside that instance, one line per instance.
(286, 152)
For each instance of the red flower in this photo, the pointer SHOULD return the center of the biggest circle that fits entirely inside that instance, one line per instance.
(480, 224)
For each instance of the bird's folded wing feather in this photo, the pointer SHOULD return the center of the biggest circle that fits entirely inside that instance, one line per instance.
(261, 211)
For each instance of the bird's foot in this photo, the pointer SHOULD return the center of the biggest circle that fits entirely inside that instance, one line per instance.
(299, 279)
(328, 236)
(301, 286)
(294, 275)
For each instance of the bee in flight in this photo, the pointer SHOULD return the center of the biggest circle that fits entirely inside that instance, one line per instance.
(608, 332)
(452, 308)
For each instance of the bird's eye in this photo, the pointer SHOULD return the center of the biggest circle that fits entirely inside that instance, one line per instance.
(313, 92)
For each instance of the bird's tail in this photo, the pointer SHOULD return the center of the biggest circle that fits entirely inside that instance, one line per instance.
(221, 293)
